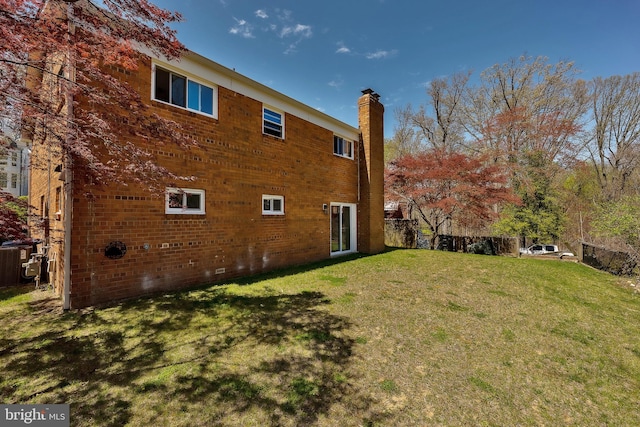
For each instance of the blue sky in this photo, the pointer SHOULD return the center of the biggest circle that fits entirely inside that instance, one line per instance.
(323, 53)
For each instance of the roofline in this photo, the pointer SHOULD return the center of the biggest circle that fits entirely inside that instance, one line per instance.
(237, 81)
(263, 88)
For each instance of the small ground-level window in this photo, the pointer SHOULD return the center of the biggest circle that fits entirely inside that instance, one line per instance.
(272, 205)
(184, 201)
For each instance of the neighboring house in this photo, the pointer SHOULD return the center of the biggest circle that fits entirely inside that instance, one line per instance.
(394, 209)
(14, 166)
(278, 184)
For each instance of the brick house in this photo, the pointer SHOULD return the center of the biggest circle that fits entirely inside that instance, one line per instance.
(278, 184)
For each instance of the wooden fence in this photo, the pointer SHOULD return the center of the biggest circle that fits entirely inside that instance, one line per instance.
(405, 233)
(614, 262)
(11, 260)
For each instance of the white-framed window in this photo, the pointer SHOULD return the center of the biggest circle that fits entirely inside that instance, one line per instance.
(272, 122)
(184, 201)
(272, 205)
(3, 179)
(14, 159)
(342, 147)
(175, 89)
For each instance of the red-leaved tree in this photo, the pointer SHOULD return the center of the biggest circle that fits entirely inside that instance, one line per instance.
(56, 51)
(448, 186)
(13, 221)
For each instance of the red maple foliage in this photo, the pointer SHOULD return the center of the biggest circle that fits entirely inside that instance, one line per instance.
(445, 186)
(12, 226)
(53, 51)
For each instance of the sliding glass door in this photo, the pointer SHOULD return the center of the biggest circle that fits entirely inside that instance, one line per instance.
(343, 228)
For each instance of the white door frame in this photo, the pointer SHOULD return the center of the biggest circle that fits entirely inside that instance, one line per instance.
(337, 247)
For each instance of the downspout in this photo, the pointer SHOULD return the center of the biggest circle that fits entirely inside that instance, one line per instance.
(68, 211)
(68, 166)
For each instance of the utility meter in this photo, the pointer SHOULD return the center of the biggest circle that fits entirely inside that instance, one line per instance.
(31, 268)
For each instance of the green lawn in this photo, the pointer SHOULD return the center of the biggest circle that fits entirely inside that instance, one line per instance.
(398, 339)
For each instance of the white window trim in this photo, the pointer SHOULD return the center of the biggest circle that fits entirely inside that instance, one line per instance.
(188, 78)
(271, 211)
(275, 110)
(183, 210)
(344, 140)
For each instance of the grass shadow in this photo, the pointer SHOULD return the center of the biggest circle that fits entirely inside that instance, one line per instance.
(189, 347)
(10, 292)
(291, 271)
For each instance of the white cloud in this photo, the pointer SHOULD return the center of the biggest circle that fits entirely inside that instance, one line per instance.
(242, 29)
(342, 48)
(381, 54)
(299, 30)
(281, 24)
(291, 49)
(284, 15)
(336, 83)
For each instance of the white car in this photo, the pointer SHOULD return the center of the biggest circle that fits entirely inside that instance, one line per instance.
(538, 249)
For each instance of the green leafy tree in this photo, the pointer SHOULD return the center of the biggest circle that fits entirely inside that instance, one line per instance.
(619, 220)
(540, 216)
(579, 193)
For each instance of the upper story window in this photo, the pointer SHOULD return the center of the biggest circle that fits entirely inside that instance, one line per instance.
(273, 122)
(342, 147)
(179, 90)
(184, 201)
(272, 205)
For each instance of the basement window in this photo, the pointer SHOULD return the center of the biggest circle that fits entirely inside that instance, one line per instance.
(272, 205)
(184, 201)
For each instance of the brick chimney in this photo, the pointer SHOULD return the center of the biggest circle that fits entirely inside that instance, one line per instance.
(371, 155)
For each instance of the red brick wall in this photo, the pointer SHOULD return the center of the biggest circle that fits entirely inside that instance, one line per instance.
(371, 208)
(235, 164)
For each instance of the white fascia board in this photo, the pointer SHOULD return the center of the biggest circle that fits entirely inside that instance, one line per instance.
(205, 70)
